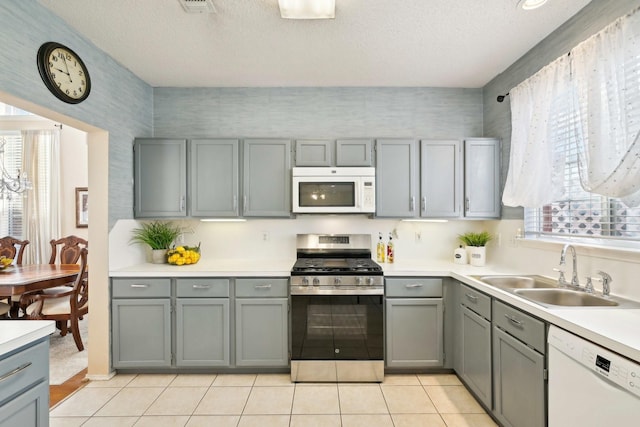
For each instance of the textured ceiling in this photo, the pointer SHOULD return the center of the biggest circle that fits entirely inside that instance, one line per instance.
(438, 43)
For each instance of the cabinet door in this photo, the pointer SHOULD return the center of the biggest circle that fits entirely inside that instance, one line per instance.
(482, 178)
(141, 333)
(519, 382)
(354, 152)
(202, 332)
(314, 152)
(30, 408)
(396, 178)
(213, 178)
(440, 179)
(160, 177)
(267, 178)
(262, 337)
(476, 354)
(414, 332)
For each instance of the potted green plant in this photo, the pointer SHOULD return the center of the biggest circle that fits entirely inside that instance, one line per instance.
(476, 249)
(159, 236)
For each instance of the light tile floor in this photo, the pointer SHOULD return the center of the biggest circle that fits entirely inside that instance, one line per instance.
(269, 400)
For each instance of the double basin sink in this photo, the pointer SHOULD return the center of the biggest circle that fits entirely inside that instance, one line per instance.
(547, 292)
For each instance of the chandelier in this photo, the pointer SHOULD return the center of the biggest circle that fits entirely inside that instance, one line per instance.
(9, 186)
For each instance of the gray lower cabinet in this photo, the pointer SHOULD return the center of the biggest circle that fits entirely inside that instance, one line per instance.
(24, 395)
(414, 323)
(267, 178)
(202, 322)
(519, 368)
(474, 365)
(261, 322)
(160, 177)
(141, 323)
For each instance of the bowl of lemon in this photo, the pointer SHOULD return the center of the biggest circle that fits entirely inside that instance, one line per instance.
(5, 262)
(184, 255)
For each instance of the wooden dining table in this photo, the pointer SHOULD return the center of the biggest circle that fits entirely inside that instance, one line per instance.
(18, 279)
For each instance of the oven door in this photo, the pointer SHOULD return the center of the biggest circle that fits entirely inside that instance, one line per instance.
(337, 338)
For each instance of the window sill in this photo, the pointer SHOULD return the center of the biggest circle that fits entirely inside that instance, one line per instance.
(627, 254)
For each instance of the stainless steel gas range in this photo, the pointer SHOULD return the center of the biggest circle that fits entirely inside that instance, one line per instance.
(336, 310)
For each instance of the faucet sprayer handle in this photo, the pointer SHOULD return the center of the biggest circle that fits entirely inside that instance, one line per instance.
(588, 287)
(561, 279)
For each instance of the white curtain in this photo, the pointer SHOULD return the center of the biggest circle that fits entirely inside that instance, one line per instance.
(593, 95)
(41, 161)
(536, 168)
(606, 70)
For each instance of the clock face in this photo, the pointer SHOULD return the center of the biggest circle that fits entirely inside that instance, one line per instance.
(63, 72)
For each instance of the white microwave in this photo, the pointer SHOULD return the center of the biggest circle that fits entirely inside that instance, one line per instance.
(334, 190)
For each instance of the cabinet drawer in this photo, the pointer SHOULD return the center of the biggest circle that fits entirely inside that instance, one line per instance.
(520, 325)
(262, 287)
(142, 287)
(413, 287)
(476, 301)
(202, 288)
(23, 369)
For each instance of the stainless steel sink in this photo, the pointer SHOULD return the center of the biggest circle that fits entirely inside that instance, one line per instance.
(566, 297)
(518, 282)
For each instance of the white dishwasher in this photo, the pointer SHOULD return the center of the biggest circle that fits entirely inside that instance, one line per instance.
(590, 386)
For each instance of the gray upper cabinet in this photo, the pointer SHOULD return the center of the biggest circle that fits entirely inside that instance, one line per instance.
(267, 178)
(160, 175)
(482, 178)
(354, 152)
(314, 152)
(396, 182)
(214, 177)
(440, 178)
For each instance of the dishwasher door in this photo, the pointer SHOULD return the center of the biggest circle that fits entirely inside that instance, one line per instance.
(590, 386)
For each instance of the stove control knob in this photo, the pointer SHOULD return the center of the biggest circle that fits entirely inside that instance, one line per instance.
(316, 281)
(369, 281)
(358, 281)
(337, 280)
(305, 281)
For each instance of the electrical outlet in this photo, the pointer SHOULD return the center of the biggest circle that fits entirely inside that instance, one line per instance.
(265, 236)
(181, 239)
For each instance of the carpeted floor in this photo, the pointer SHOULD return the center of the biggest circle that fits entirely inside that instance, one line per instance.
(65, 360)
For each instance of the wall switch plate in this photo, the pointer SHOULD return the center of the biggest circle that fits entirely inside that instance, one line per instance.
(265, 236)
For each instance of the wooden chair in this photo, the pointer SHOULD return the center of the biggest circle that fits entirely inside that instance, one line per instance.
(66, 308)
(13, 248)
(4, 310)
(68, 248)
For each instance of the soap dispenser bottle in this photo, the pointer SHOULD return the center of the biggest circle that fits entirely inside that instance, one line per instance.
(380, 249)
(390, 250)
(460, 255)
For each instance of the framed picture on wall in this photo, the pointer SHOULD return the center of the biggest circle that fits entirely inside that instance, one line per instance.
(82, 207)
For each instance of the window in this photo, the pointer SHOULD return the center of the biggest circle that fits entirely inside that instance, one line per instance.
(12, 210)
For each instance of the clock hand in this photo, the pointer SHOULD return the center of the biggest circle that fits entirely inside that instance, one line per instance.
(67, 67)
(63, 72)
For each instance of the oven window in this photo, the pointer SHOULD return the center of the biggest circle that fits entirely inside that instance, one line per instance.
(337, 327)
(333, 194)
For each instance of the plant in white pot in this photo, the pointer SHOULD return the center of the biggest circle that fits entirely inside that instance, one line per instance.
(476, 246)
(159, 236)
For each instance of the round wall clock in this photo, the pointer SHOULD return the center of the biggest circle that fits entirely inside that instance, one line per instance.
(63, 72)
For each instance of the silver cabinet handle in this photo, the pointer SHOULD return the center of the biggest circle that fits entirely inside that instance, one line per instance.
(139, 285)
(516, 322)
(424, 204)
(412, 204)
(15, 371)
(235, 202)
(182, 200)
(268, 286)
(413, 285)
(245, 203)
(471, 298)
(196, 286)
(466, 203)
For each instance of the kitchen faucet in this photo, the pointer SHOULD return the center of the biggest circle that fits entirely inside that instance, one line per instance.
(563, 254)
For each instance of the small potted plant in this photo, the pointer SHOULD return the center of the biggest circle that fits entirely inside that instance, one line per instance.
(159, 236)
(476, 249)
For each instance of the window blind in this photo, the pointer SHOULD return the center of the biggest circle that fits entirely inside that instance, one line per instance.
(12, 210)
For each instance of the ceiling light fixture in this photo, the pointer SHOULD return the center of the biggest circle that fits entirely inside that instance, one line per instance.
(307, 9)
(531, 4)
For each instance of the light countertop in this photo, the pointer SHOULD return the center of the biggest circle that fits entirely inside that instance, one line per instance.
(18, 333)
(613, 328)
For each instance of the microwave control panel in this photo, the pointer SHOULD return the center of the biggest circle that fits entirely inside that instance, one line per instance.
(368, 195)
